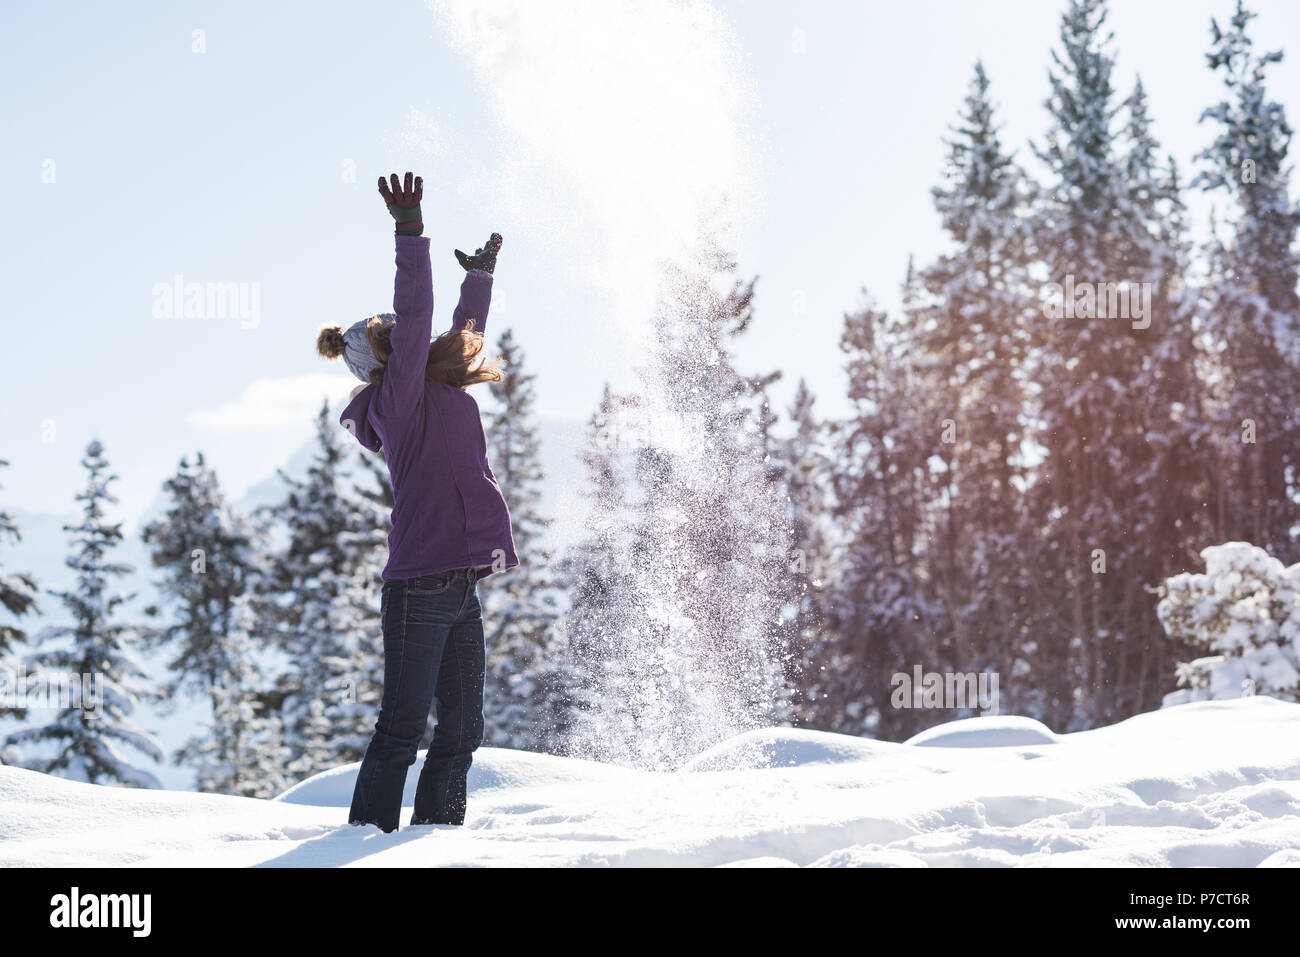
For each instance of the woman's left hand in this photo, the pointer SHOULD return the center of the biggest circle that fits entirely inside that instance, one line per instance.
(485, 257)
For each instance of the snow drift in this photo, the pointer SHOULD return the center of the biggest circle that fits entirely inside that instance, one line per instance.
(1206, 784)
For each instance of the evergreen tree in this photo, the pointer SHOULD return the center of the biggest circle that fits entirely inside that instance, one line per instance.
(1252, 307)
(687, 538)
(519, 606)
(1169, 448)
(335, 723)
(808, 468)
(604, 592)
(1243, 615)
(18, 598)
(712, 516)
(970, 319)
(86, 733)
(206, 552)
(242, 750)
(1107, 229)
(1080, 215)
(795, 585)
(883, 622)
(319, 599)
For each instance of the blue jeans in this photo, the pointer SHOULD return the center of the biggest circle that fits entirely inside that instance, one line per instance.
(433, 650)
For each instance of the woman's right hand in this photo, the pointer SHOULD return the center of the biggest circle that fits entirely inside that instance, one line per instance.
(403, 201)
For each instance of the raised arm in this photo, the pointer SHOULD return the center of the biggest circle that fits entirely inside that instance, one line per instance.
(403, 385)
(475, 298)
(476, 287)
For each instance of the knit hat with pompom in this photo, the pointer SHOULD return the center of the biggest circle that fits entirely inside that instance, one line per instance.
(353, 345)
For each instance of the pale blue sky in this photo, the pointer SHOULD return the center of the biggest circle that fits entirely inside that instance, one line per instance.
(226, 166)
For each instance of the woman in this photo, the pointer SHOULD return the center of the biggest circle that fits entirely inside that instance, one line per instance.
(450, 524)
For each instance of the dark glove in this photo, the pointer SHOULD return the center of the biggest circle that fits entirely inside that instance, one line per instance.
(484, 258)
(404, 203)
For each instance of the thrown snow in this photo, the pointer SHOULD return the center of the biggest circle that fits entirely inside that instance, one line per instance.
(1213, 783)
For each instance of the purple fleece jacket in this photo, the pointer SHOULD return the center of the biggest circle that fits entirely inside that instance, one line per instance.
(448, 510)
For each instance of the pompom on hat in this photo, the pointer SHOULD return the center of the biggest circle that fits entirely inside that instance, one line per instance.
(353, 345)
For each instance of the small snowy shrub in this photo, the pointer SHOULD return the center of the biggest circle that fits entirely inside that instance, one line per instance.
(1244, 611)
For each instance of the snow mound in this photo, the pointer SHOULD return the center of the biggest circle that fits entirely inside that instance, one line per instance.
(493, 769)
(784, 748)
(1290, 857)
(992, 731)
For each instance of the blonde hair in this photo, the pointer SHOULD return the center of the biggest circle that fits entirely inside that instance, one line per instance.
(455, 357)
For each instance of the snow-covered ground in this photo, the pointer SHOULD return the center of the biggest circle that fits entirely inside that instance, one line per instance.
(1211, 783)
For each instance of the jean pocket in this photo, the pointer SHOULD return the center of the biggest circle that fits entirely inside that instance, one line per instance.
(432, 584)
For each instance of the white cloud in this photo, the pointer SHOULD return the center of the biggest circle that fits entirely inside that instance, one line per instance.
(271, 404)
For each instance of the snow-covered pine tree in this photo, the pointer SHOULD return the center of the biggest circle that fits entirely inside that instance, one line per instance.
(712, 519)
(883, 622)
(807, 469)
(1169, 445)
(17, 598)
(796, 584)
(969, 320)
(86, 734)
(318, 602)
(1101, 238)
(242, 751)
(675, 597)
(519, 606)
(1243, 614)
(205, 552)
(1083, 201)
(590, 639)
(335, 725)
(1252, 307)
